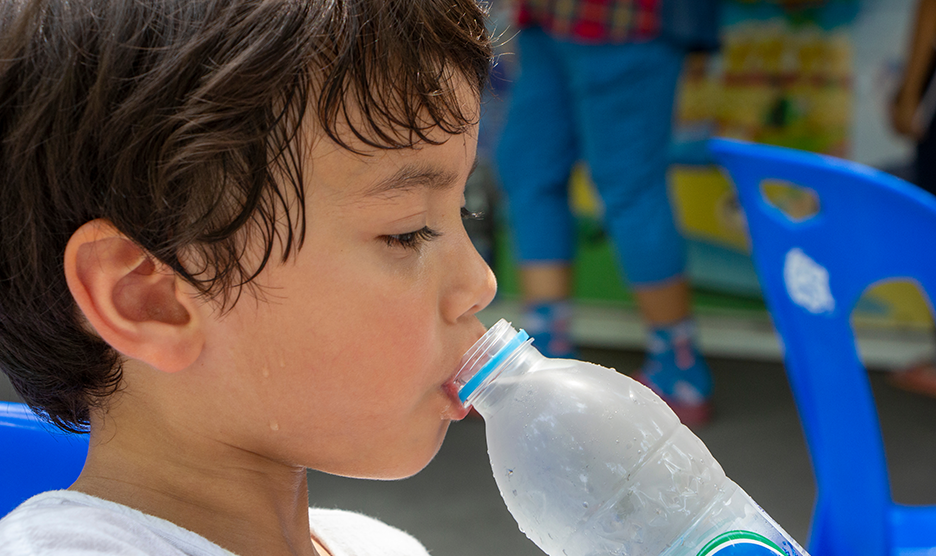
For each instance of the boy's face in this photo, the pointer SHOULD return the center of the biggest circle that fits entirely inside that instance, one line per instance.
(345, 363)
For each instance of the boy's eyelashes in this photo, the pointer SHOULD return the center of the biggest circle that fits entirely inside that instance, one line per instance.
(413, 240)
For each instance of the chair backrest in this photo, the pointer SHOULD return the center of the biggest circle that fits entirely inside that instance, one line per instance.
(34, 456)
(869, 227)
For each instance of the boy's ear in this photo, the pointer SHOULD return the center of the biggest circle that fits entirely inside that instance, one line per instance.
(136, 304)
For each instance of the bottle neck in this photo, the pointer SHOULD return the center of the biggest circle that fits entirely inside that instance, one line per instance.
(515, 363)
(496, 351)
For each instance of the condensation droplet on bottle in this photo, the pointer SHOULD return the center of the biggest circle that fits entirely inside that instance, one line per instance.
(585, 505)
(509, 472)
(514, 492)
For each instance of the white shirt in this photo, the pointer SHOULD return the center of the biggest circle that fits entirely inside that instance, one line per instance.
(61, 522)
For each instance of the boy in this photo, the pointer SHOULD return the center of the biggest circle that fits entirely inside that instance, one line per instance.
(231, 248)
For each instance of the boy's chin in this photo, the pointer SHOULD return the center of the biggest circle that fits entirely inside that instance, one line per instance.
(386, 474)
(406, 467)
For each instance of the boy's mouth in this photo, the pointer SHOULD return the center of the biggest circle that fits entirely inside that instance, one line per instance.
(452, 386)
(458, 410)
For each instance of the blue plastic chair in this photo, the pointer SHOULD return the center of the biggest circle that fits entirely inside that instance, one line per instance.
(35, 456)
(869, 227)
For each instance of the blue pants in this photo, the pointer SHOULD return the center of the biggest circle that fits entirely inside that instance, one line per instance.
(612, 106)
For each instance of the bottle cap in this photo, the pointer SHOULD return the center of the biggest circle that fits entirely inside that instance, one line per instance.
(485, 355)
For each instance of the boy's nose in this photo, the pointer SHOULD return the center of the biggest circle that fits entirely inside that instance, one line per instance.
(476, 284)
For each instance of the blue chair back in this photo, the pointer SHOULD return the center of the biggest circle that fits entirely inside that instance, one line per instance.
(870, 227)
(35, 456)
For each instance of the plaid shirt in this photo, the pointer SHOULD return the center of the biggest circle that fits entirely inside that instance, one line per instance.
(593, 21)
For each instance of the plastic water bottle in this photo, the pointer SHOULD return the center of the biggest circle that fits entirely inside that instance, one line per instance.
(591, 462)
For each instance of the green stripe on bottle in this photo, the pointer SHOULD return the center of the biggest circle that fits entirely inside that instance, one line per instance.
(739, 537)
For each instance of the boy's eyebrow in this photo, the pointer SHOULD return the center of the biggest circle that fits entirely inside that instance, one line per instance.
(415, 176)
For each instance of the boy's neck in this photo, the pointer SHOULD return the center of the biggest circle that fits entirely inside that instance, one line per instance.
(245, 504)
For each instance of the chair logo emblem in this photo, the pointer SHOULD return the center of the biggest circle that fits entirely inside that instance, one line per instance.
(807, 282)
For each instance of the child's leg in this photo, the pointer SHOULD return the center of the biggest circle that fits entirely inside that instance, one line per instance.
(625, 96)
(535, 154)
(624, 103)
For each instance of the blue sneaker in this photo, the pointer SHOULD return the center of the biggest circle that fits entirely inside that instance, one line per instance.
(675, 370)
(549, 326)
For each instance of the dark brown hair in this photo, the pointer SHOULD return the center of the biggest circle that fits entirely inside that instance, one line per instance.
(170, 118)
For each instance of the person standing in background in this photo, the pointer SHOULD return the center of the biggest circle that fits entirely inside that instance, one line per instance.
(597, 82)
(912, 116)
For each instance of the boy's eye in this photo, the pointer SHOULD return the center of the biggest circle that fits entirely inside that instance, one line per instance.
(412, 240)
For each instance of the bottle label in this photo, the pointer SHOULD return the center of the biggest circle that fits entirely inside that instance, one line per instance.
(741, 543)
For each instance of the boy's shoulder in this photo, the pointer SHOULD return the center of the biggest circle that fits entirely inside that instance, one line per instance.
(346, 533)
(59, 522)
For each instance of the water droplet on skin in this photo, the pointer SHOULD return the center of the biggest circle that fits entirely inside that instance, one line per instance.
(282, 364)
(274, 425)
(266, 371)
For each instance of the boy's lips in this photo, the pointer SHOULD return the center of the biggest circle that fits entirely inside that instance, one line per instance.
(458, 410)
(451, 388)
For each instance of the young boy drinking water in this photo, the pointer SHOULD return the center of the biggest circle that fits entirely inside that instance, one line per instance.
(231, 248)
